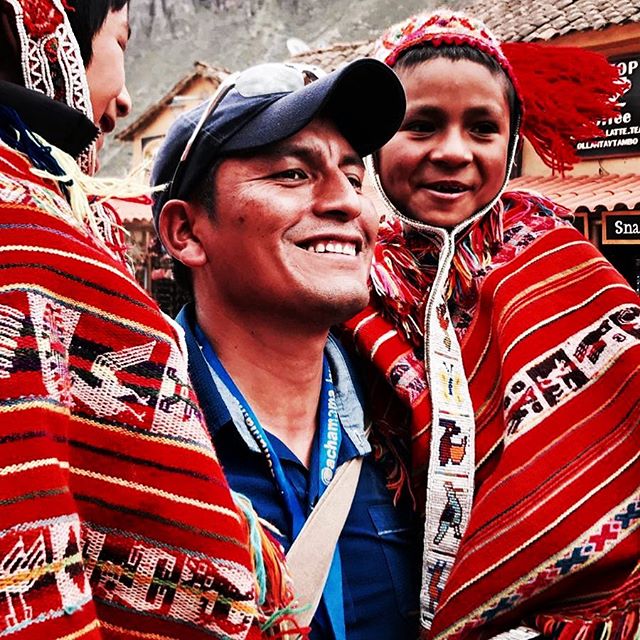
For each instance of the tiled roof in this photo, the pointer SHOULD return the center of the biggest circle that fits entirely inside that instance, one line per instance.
(510, 20)
(200, 70)
(331, 57)
(515, 20)
(586, 193)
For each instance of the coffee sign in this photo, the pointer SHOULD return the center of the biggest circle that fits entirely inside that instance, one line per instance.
(621, 227)
(622, 133)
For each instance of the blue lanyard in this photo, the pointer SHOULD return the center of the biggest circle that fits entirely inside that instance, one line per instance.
(324, 462)
(324, 457)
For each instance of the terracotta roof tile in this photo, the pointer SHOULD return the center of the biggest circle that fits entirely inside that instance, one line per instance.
(539, 19)
(586, 193)
(331, 57)
(510, 21)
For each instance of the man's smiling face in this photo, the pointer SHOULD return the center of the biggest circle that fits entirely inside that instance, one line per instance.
(291, 233)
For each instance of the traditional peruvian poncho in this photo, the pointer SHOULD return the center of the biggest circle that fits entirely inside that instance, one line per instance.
(505, 385)
(115, 518)
(549, 350)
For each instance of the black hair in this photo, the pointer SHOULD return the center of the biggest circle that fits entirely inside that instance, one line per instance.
(86, 18)
(424, 52)
(9, 48)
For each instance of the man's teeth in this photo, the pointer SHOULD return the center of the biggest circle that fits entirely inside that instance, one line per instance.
(345, 248)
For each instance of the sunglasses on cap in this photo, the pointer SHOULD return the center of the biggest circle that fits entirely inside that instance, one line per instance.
(266, 79)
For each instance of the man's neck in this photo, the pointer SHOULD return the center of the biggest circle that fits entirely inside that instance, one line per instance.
(278, 370)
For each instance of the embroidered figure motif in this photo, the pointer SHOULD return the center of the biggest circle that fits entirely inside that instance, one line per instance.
(146, 580)
(17, 570)
(556, 375)
(451, 515)
(206, 580)
(177, 392)
(452, 448)
(54, 325)
(32, 565)
(444, 321)
(193, 590)
(108, 396)
(518, 408)
(72, 583)
(450, 383)
(11, 325)
(592, 345)
(176, 414)
(436, 584)
(628, 320)
(407, 380)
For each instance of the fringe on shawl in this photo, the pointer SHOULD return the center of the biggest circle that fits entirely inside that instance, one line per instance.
(274, 588)
(624, 625)
(390, 450)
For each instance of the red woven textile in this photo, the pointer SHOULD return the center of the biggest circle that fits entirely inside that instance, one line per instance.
(552, 355)
(115, 518)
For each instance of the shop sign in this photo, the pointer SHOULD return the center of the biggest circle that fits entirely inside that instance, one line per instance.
(622, 133)
(581, 223)
(621, 227)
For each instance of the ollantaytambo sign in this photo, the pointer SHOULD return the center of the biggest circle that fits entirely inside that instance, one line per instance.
(620, 227)
(622, 133)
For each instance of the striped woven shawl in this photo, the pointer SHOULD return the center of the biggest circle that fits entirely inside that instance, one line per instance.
(549, 335)
(115, 518)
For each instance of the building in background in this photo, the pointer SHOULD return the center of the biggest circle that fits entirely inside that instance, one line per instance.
(603, 190)
(145, 133)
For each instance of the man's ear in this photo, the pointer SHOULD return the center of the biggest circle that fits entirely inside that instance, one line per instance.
(177, 230)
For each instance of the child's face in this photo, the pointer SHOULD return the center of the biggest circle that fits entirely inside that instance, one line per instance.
(449, 157)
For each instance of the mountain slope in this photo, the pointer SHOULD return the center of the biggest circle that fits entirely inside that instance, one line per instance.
(169, 35)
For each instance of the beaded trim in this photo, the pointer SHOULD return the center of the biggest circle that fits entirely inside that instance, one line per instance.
(51, 60)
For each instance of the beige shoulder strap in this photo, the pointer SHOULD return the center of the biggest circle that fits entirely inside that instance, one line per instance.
(310, 555)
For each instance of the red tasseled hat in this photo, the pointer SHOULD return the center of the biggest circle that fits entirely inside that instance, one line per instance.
(564, 92)
(51, 59)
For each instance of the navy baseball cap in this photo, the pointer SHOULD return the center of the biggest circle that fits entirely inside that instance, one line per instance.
(271, 102)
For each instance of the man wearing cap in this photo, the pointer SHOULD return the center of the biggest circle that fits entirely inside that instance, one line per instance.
(264, 207)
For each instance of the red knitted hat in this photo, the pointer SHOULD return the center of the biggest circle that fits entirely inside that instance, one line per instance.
(563, 91)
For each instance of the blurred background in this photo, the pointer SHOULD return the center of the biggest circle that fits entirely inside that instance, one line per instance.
(180, 51)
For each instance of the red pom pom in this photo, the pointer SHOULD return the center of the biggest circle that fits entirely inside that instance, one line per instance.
(41, 17)
(566, 91)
